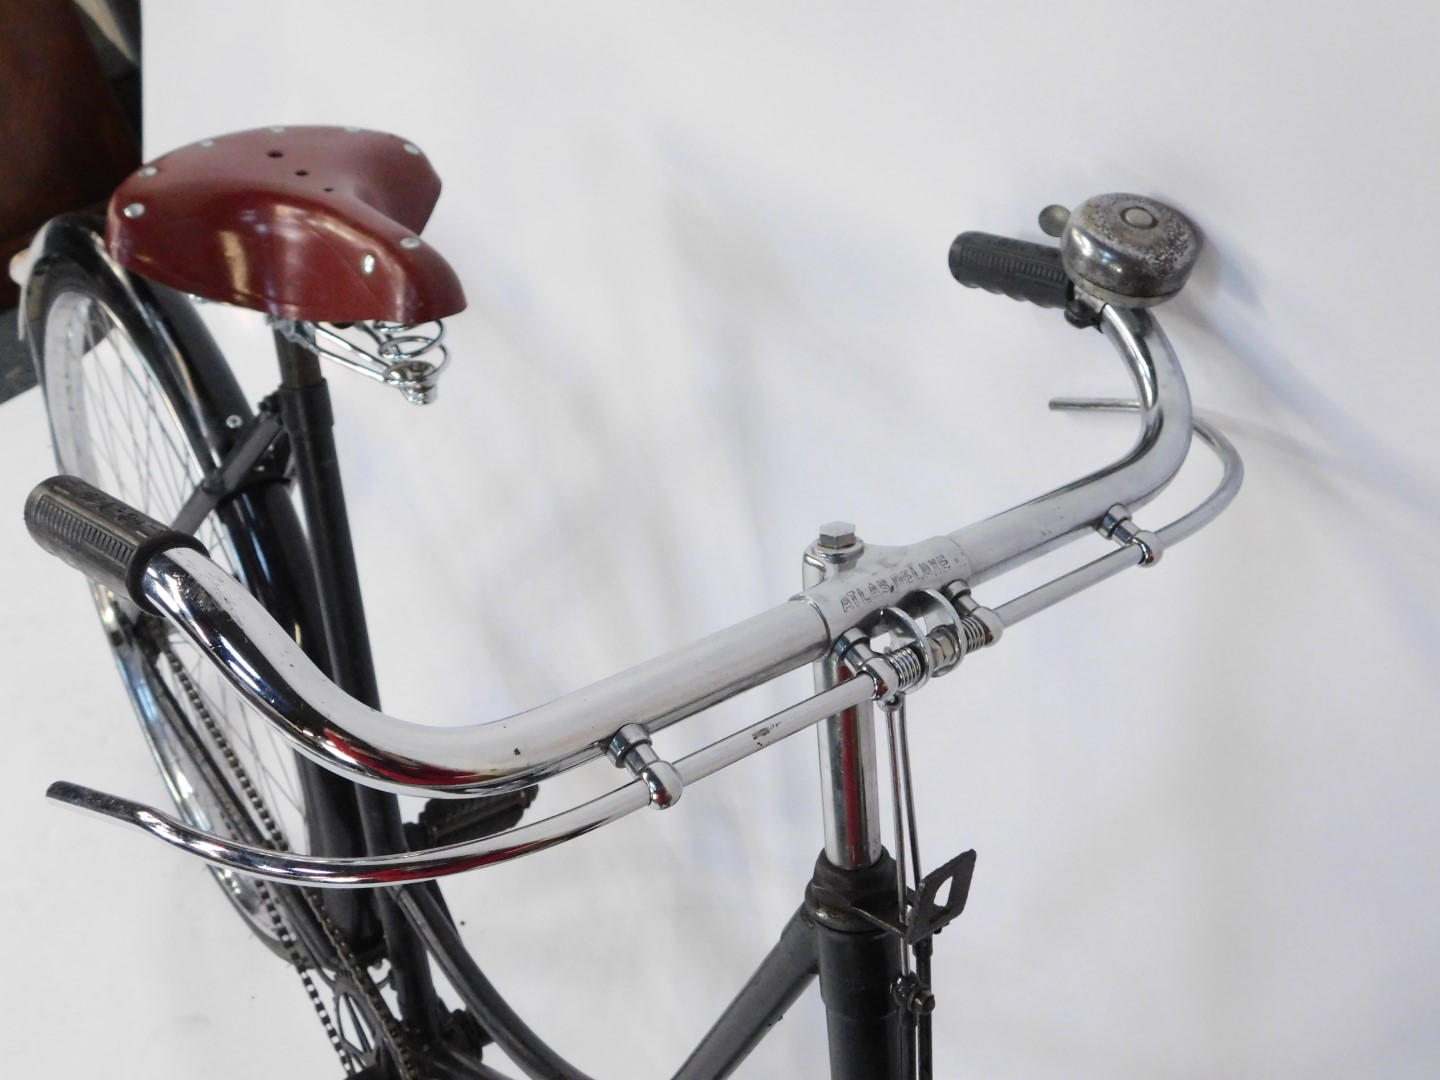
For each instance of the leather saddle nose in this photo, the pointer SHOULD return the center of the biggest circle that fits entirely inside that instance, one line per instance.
(320, 224)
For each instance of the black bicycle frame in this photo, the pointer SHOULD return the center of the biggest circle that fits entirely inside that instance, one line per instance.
(856, 959)
(308, 420)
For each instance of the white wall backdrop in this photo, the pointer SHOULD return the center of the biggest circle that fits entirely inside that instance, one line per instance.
(705, 252)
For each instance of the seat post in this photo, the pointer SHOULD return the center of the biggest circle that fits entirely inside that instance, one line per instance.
(309, 419)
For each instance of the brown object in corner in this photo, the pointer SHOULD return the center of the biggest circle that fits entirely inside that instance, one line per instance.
(314, 223)
(65, 137)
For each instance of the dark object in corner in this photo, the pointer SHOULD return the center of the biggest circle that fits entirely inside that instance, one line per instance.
(70, 125)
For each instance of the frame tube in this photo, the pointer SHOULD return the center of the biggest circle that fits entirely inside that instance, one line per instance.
(309, 422)
(776, 985)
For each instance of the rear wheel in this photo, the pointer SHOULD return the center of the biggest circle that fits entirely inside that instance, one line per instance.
(142, 406)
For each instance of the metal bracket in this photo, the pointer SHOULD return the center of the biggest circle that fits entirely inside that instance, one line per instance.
(260, 455)
(837, 903)
(869, 578)
(1117, 525)
(407, 357)
(629, 748)
(924, 637)
(927, 915)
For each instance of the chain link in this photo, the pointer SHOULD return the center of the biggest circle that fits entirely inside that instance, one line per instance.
(347, 966)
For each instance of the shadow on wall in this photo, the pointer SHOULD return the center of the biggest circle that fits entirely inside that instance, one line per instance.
(1380, 504)
(1337, 443)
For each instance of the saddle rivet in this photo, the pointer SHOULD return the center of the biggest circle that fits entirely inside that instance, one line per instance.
(149, 170)
(410, 242)
(367, 264)
(206, 142)
(233, 422)
(411, 148)
(277, 130)
(134, 210)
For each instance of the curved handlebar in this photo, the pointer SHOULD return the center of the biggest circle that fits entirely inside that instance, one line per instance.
(269, 669)
(1163, 403)
(365, 871)
(1120, 255)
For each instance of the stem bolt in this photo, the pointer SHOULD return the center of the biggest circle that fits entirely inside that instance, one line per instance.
(837, 534)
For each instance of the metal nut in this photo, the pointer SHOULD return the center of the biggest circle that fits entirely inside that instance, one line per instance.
(837, 534)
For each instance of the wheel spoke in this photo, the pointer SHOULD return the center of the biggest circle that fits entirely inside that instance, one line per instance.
(125, 437)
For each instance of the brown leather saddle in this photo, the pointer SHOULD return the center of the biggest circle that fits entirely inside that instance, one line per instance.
(320, 224)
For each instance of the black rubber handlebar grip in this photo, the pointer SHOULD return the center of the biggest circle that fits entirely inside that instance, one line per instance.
(1019, 269)
(105, 539)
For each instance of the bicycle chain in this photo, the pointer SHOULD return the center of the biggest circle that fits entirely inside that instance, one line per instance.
(346, 963)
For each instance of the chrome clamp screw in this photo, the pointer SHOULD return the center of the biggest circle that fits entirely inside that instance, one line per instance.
(1117, 525)
(630, 748)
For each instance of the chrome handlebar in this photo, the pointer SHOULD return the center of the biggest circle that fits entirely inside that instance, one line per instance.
(1163, 402)
(917, 598)
(268, 668)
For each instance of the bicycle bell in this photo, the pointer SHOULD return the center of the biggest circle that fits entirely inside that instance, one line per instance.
(1123, 249)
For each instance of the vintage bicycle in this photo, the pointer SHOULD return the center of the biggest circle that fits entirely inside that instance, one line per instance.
(240, 634)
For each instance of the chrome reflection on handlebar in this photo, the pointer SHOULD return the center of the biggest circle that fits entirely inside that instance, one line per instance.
(1107, 566)
(1029, 530)
(350, 873)
(273, 674)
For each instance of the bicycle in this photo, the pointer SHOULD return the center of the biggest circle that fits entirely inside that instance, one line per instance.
(231, 621)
